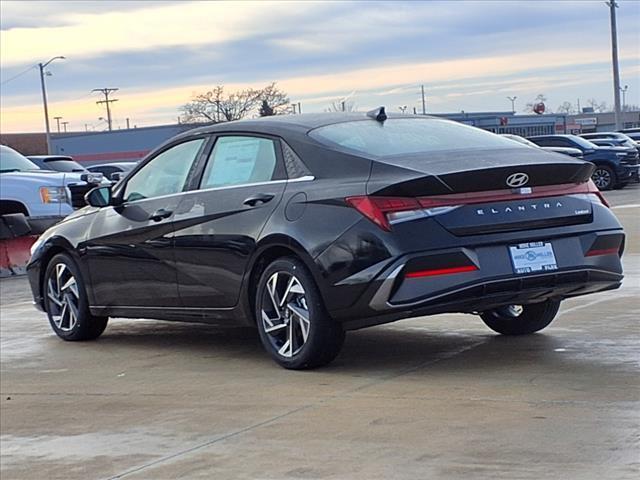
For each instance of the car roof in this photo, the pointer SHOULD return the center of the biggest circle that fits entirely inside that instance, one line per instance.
(301, 122)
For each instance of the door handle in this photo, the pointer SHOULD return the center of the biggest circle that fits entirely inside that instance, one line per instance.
(259, 198)
(160, 214)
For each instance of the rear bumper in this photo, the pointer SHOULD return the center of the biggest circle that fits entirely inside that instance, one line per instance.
(393, 295)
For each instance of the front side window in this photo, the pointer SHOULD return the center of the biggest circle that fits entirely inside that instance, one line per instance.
(165, 174)
(239, 160)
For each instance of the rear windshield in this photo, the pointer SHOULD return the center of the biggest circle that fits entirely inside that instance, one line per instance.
(402, 136)
(64, 165)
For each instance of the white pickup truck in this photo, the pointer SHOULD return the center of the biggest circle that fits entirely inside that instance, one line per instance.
(44, 197)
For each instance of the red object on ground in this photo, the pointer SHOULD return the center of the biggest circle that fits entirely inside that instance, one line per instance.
(15, 254)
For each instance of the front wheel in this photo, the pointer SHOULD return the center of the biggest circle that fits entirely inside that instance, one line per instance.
(521, 319)
(294, 326)
(604, 177)
(66, 302)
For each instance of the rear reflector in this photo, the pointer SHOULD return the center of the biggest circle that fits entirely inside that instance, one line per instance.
(603, 251)
(440, 271)
(384, 210)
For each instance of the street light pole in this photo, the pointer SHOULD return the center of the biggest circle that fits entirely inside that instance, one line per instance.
(42, 66)
(513, 103)
(614, 58)
(624, 97)
(57, 119)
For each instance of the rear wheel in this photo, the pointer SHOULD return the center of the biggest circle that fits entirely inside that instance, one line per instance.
(521, 319)
(66, 302)
(604, 177)
(294, 326)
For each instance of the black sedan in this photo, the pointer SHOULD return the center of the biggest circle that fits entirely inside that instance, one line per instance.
(308, 226)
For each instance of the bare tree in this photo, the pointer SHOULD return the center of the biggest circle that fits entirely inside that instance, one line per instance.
(216, 106)
(597, 106)
(566, 107)
(540, 98)
(275, 99)
(341, 106)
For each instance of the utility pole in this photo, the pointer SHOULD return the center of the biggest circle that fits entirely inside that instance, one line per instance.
(424, 102)
(614, 58)
(513, 103)
(579, 109)
(57, 119)
(624, 97)
(64, 124)
(299, 108)
(106, 92)
(129, 127)
(42, 66)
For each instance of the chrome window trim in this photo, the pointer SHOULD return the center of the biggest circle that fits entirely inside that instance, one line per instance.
(306, 178)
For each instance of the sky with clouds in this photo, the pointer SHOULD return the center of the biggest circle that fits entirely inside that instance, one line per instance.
(469, 55)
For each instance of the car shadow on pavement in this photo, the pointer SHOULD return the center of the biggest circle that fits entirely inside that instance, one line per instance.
(378, 350)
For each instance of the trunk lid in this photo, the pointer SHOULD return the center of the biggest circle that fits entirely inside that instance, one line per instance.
(464, 171)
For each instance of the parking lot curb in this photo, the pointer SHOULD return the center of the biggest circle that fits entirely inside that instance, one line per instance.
(14, 255)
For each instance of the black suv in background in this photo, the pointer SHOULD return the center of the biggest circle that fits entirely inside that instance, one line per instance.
(615, 166)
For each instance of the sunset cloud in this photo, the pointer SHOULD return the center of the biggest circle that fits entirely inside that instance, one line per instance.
(469, 55)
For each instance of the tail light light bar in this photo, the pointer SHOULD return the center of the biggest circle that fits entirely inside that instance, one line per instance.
(384, 211)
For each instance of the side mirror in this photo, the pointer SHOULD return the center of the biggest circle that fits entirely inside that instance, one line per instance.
(98, 197)
(116, 176)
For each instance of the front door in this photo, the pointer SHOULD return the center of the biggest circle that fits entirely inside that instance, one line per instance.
(130, 251)
(217, 225)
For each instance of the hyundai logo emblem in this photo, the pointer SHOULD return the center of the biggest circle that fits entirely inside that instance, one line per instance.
(516, 180)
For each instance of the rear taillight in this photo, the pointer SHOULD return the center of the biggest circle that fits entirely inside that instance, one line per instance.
(385, 211)
(440, 271)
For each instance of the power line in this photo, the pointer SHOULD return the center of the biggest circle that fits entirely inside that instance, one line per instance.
(18, 75)
(106, 92)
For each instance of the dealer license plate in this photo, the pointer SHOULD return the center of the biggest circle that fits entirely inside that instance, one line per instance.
(533, 257)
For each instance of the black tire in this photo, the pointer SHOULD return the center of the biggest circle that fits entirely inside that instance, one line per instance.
(604, 177)
(285, 322)
(65, 300)
(521, 319)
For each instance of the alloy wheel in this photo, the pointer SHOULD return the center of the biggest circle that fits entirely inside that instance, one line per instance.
(512, 311)
(285, 314)
(63, 298)
(602, 178)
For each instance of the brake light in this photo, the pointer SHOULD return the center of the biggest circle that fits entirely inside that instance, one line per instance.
(384, 211)
(376, 209)
(440, 271)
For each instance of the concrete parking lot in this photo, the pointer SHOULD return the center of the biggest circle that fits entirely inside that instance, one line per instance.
(437, 397)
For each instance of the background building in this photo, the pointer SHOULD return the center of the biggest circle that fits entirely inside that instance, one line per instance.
(605, 122)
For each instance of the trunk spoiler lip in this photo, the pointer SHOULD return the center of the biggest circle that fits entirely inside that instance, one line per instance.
(469, 198)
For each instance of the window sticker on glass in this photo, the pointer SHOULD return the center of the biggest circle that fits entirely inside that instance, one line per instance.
(240, 160)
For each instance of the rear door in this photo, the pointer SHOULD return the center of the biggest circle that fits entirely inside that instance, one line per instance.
(130, 246)
(217, 224)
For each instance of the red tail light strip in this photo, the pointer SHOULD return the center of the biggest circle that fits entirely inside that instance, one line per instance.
(440, 271)
(377, 208)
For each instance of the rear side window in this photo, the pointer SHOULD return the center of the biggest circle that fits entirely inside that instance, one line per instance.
(400, 136)
(239, 160)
